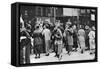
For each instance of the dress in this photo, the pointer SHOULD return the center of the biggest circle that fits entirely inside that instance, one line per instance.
(92, 39)
(65, 34)
(75, 39)
(87, 38)
(58, 41)
(81, 37)
(37, 41)
(70, 39)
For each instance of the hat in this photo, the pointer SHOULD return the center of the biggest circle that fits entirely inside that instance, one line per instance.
(86, 27)
(36, 26)
(93, 27)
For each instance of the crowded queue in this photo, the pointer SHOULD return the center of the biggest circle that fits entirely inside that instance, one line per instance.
(55, 37)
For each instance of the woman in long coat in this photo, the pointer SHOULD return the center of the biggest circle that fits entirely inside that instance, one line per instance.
(81, 38)
(65, 34)
(70, 39)
(58, 43)
(37, 42)
(75, 45)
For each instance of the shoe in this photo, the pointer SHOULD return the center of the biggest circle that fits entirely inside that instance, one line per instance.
(60, 57)
(47, 54)
(68, 53)
(82, 52)
(91, 53)
(36, 57)
(75, 50)
(55, 55)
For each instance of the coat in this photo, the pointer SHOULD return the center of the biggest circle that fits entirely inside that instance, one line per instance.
(70, 37)
(81, 37)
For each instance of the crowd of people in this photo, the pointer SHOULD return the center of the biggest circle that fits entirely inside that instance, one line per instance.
(54, 37)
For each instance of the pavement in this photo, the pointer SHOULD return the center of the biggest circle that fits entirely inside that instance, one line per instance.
(65, 57)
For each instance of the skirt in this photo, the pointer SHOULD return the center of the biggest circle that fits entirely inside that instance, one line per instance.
(59, 44)
(82, 42)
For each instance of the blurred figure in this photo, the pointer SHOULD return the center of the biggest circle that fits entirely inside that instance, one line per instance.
(25, 46)
(65, 35)
(37, 41)
(53, 37)
(25, 42)
(47, 35)
(70, 39)
(92, 40)
(75, 37)
(81, 38)
(58, 43)
(87, 37)
(22, 46)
